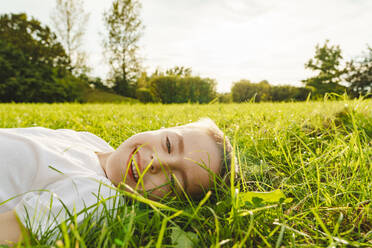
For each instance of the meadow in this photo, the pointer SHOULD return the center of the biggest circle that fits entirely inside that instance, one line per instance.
(314, 157)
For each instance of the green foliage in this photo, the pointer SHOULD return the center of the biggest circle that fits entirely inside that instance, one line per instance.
(179, 71)
(288, 93)
(245, 91)
(124, 87)
(182, 239)
(326, 62)
(317, 153)
(143, 81)
(71, 86)
(145, 95)
(33, 65)
(360, 75)
(23, 81)
(176, 89)
(175, 85)
(36, 42)
(97, 83)
(224, 97)
(124, 27)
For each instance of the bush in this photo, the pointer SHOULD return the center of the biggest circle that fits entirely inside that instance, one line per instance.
(224, 98)
(288, 93)
(245, 90)
(144, 95)
(176, 89)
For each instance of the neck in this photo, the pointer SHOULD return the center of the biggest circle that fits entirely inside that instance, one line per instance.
(102, 158)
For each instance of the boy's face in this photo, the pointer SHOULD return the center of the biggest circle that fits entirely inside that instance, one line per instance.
(181, 151)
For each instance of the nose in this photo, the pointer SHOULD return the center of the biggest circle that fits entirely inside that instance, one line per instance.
(153, 167)
(159, 163)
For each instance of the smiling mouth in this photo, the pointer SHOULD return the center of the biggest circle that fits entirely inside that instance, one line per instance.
(132, 167)
(134, 171)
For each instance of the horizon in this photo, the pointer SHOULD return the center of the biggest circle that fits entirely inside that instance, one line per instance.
(229, 40)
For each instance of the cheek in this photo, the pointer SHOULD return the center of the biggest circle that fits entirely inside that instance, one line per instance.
(154, 184)
(117, 167)
(114, 169)
(199, 181)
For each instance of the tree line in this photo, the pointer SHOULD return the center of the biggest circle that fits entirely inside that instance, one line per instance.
(38, 64)
(332, 75)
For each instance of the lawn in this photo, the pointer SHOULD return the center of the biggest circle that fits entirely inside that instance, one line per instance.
(316, 155)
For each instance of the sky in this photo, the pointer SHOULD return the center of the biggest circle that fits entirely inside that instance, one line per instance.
(228, 40)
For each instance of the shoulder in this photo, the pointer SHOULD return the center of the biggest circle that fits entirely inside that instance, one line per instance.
(85, 137)
(95, 140)
(24, 130)
(14, 146)
(58, 135)
(28, 132)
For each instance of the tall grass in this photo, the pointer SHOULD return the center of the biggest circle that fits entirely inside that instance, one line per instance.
(317, 153)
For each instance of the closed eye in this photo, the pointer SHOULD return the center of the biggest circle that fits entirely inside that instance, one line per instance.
(168, 144)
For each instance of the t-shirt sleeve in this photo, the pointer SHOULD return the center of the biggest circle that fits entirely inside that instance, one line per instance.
(96, 141)
(86, 137)
(41, 211)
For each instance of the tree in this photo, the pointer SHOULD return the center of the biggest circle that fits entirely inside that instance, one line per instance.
(124, 29)
(33, 64)
(245, 90)
(70, 21)
(360, 75)
(224, 97)
(97, 83)
(145, 95)
(288, 93)
(179, 71)
(326, 62)
(37, 42)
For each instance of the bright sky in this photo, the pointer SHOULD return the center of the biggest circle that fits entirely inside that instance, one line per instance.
(229, 40)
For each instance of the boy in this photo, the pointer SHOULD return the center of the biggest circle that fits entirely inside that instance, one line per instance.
(50, 170)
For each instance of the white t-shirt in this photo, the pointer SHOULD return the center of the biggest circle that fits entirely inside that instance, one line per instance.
(42, 168)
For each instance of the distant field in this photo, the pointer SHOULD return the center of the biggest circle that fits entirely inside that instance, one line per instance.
(319, 154)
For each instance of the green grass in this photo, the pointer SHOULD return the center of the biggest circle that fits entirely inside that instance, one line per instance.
(317, 153)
